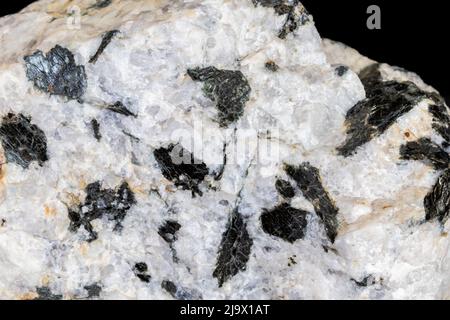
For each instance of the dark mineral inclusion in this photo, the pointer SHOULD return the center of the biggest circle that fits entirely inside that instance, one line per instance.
(22, 141)
(285, 188)
(296, 15)
(168, 231)
(93, 290)
(386, 102)
(120, 108)
(235, 249)
(112, 204)
(44, 293)
(179, 293)
(56, 73)
(285, 222)
(140, 270)
(106, 39)
(441, 119)
(309, 181)
(427, 151)
(179, 166)
(230, 91)
(437, 202)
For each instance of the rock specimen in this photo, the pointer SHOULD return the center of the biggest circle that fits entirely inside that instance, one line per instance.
(213, 150)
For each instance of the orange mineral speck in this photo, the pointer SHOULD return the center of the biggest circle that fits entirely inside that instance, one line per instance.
(28, 296)
(49, 211)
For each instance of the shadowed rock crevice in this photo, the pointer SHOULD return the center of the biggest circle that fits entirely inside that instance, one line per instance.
(235, 249)
(230, 91)
(56, 73)
(99, 203)
(310, 183)
(22, 141)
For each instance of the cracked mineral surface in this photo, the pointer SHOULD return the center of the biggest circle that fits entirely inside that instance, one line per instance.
(214, 150)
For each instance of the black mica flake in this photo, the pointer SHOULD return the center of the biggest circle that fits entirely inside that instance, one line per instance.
(22, 141)
(96, 129)
(120, 108)
(44, 293)
(309, 181)
(235, 249)
(370, 75)
(179, 293)
(296, 14)
(99, 203)
(437, 201)
(341, 71)
(93, 290)
(365, 282)
(170, 287)
(385, 103)
(140, 270)
(272, 66)
(441, 120)
(106, 39)
(168, 231)
(100, 4)
(427, 151)
(56, 73)
(179, 166)
(285, 188)
(285, 222)
(229, 89)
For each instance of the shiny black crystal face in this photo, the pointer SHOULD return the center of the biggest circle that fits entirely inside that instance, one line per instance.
(22, 141)
(56, 73)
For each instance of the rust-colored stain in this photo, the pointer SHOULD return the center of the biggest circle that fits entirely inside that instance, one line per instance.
(2, 165)
(83, 249)
(45, 280)
(28, 296)
(407, 134)
(170, 188)
(49, 211)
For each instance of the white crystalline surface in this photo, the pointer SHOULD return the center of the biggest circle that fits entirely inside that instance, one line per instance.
(384, 248)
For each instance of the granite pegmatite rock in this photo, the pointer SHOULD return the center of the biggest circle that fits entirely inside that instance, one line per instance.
(213, 150)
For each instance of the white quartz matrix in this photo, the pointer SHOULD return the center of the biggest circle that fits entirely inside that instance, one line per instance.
(88, 210)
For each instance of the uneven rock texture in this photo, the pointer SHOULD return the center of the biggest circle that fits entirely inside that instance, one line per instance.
(213, 150)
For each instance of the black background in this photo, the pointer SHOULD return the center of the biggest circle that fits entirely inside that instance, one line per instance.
(412, 36)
